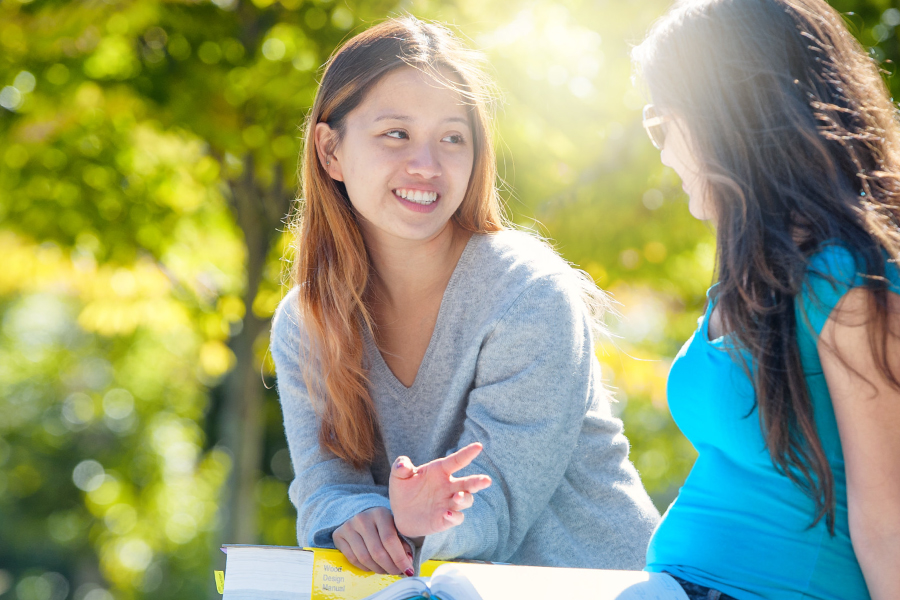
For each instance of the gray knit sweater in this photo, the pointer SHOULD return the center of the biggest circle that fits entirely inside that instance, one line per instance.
(511, 365)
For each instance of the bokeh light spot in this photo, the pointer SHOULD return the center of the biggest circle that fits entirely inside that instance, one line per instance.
(120, 518)
(181, 528)
(273, 49)
(135, 554)
(25, 82)
(107, 492)
(630, 258)
(653, 199)
(655, 252)
(209, 52)
(88, 475)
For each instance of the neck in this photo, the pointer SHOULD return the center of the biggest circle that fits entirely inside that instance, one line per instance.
(406, 271)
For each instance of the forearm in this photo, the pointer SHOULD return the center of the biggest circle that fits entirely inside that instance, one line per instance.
(878, 553)
(328, 509)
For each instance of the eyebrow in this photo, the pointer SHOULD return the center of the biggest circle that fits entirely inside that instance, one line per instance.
(405, 118)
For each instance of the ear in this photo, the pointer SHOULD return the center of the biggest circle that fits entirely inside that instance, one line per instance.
(326, 140)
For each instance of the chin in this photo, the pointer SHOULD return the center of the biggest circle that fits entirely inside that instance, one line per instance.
(698, 210)
(420, 233)
(697, 214)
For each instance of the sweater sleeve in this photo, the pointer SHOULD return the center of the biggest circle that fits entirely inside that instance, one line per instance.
(535, 381)
(326, 491)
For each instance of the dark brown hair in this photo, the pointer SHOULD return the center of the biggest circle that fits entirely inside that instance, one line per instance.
(798, 143)
(332, 266)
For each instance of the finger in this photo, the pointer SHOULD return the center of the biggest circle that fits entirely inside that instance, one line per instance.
(461, 501)
(361, 550)
(403, 468)
(471, 484)
(452, 518)
(402, 561)
(380, 555)
(461, 458)
(341, 544)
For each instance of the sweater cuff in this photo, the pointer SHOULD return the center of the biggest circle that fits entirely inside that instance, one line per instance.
(320, 536)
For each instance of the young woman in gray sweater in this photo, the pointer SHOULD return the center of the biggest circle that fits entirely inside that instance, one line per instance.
(422, 331)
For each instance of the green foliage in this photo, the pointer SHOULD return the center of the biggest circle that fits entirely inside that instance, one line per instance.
(148, 158)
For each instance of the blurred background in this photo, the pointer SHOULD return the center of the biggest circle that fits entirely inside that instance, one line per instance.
(148, 154)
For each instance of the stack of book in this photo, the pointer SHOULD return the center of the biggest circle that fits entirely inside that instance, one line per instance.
(291, 573)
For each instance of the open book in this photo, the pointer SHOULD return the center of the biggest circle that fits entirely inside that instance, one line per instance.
(456, 581)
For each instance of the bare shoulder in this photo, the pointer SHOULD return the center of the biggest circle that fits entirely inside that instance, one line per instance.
(846, 327)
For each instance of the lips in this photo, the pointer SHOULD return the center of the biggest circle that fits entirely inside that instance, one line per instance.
(423, 197)
(418, 204)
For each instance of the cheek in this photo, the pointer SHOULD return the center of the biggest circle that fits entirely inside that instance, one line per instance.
(361, 165)
(461, 164)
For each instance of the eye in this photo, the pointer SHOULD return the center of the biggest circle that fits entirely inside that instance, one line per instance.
(397, 134)
(454, 138)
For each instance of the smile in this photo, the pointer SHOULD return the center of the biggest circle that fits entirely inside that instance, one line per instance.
(417, 196)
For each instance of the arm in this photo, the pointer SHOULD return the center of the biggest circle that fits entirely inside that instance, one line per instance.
(533, 384)
(867, 409)
(330, 496)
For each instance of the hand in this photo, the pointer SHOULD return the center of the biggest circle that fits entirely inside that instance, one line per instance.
(370, 542)
(428, 499)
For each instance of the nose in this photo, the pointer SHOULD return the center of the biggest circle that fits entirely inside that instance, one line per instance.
(424, 162)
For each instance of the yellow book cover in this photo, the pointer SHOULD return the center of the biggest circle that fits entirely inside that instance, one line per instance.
(291, 573)
(334, 578)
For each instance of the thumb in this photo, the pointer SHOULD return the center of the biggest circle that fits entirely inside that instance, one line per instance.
(403, 468)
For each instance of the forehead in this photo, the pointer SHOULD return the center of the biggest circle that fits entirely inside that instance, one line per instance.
(415, 96)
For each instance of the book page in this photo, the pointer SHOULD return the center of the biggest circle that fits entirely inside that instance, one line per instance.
(254, 572)
(403, 589)
(451, 584)
(502, 582)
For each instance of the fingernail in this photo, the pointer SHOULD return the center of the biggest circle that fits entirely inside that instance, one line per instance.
(409, 573)
(449, 514)
(409, 554)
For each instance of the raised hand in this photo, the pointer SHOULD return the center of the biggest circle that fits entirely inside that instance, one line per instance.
(370, 542)
(428, 499)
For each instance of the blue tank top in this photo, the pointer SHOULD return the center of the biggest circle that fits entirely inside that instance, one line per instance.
(737, 524)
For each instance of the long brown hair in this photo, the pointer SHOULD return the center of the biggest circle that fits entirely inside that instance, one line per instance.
(332, 267)
(798, 143)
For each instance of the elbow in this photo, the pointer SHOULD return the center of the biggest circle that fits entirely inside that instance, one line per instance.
(873, 534)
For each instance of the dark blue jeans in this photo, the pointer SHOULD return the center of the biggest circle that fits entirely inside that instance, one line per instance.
(700, 592)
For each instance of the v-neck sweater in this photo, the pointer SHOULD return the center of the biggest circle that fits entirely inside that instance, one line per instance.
(510, 364)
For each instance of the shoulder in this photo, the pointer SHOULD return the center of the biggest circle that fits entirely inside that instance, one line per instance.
(287, 313)
(513, 248)
(519, 278)
(835, 263)
(519, 260)
(287, 329)
(833, 271)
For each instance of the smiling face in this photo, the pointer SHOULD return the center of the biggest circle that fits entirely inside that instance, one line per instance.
(405, 156)
(678, 154)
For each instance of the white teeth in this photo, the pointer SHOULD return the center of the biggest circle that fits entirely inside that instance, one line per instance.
(417, 196)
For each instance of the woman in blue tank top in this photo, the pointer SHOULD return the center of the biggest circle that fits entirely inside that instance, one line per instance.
(785, 137)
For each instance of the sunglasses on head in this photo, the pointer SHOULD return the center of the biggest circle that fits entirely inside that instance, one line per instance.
(655, 126)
